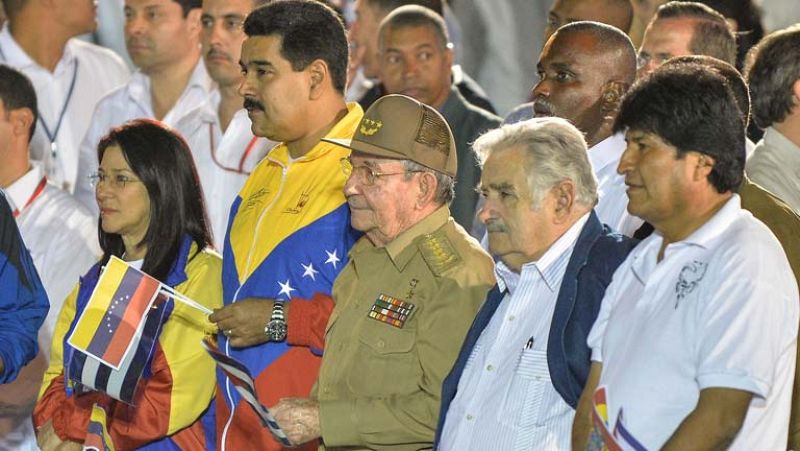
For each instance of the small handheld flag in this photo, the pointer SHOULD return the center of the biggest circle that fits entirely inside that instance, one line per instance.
(114, 313)
(97, 437)
(243, 382)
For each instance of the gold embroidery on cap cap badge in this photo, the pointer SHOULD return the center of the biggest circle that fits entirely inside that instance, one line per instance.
(369, 127)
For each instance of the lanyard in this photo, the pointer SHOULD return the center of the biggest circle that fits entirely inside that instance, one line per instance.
(36, 193)
(247, 152)
(52, 136)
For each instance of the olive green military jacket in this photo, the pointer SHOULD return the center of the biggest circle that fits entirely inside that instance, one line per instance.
(401, 315)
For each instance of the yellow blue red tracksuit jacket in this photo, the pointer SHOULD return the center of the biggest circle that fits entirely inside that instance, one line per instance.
(178, 385)
(288, 237)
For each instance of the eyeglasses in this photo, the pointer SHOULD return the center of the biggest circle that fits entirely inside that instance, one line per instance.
(117, 181)
(366, 174)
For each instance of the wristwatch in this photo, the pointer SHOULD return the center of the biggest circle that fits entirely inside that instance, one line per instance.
(276, 327)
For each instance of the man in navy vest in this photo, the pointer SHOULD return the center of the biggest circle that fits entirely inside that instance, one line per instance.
(517, 380)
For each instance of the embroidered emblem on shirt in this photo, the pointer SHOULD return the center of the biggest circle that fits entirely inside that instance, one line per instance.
(411, 286)
(688, 279)
(254, 199)
(439, 253)
(392, 311)
(370, 126)
(300, 204)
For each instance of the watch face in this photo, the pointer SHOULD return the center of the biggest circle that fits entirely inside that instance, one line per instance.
(277, 330)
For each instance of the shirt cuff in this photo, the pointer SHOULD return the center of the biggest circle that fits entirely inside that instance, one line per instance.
(736, 381)
(338, 422)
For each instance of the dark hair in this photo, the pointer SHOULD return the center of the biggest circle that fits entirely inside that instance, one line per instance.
(415, 16)
(748, 21)
(187, 5)
(309, 31)
(16, 91)
(732, 76)
(161, 159)
(773, 70)
(387, 6)
(691, 108)
(610, 40)
(712, 35)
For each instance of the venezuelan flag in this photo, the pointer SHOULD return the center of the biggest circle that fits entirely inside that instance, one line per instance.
(114, 313)
(97, 437)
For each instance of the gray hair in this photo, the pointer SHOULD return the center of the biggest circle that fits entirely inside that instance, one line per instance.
(445, 185)
(556, 152)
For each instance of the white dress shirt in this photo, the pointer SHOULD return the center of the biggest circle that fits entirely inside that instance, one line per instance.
(223, 160)
(612, 206)
(505, 398)
(96, 71)
(61, 236)
(719, 310)
(133, 101)
(775, 165)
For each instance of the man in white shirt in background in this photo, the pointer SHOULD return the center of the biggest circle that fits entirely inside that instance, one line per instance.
(694, 346)
(60, 234)
(163, 39)
(774, 78)
(524, 362)
(218, 132)
(70, 76)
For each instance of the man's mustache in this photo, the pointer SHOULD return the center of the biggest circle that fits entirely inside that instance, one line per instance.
(496, 226)
(252, 104)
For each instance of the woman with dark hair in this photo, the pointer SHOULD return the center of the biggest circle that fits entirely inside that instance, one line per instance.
(152, 216)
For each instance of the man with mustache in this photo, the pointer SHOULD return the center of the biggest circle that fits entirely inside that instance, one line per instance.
(289, 232)
(517, 380)
(406, 297)
(416, 60)
(218, 132)
(695, 343)
(584, 70)
(70, 76)
(163, 40)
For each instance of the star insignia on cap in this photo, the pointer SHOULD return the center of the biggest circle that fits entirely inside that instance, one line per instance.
(370, 126)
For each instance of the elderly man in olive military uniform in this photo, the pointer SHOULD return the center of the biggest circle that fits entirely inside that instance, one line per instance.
(407, 296)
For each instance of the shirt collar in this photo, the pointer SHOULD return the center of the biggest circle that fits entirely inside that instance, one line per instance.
(607, 151)
(701, 237)
(345, 128)
(403, 241)
(22, 189)
(16, 56)
(545, 267)
(775, 139)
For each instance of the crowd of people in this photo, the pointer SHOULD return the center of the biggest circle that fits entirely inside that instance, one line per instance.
(400, 258)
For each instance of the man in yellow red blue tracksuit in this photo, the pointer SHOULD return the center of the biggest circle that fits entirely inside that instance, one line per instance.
(289, 229)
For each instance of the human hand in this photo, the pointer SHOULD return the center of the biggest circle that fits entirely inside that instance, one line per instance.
(243, 321)
(299, 419)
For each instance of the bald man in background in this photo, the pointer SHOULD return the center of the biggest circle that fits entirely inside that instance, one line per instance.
(585, 68)
(617, 13)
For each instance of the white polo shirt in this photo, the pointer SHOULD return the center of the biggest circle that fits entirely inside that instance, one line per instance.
(223, 160)
(94, 71)
(612, 205)
(133, 101)
(719, 310)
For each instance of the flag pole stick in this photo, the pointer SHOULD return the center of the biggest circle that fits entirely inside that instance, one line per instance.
(180, 297)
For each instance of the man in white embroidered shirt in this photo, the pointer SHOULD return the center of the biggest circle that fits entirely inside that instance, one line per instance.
(694, 346)
(163, 40)
(70, 76)
(524, 362)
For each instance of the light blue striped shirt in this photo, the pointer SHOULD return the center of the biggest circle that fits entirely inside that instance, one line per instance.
(505, 398)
